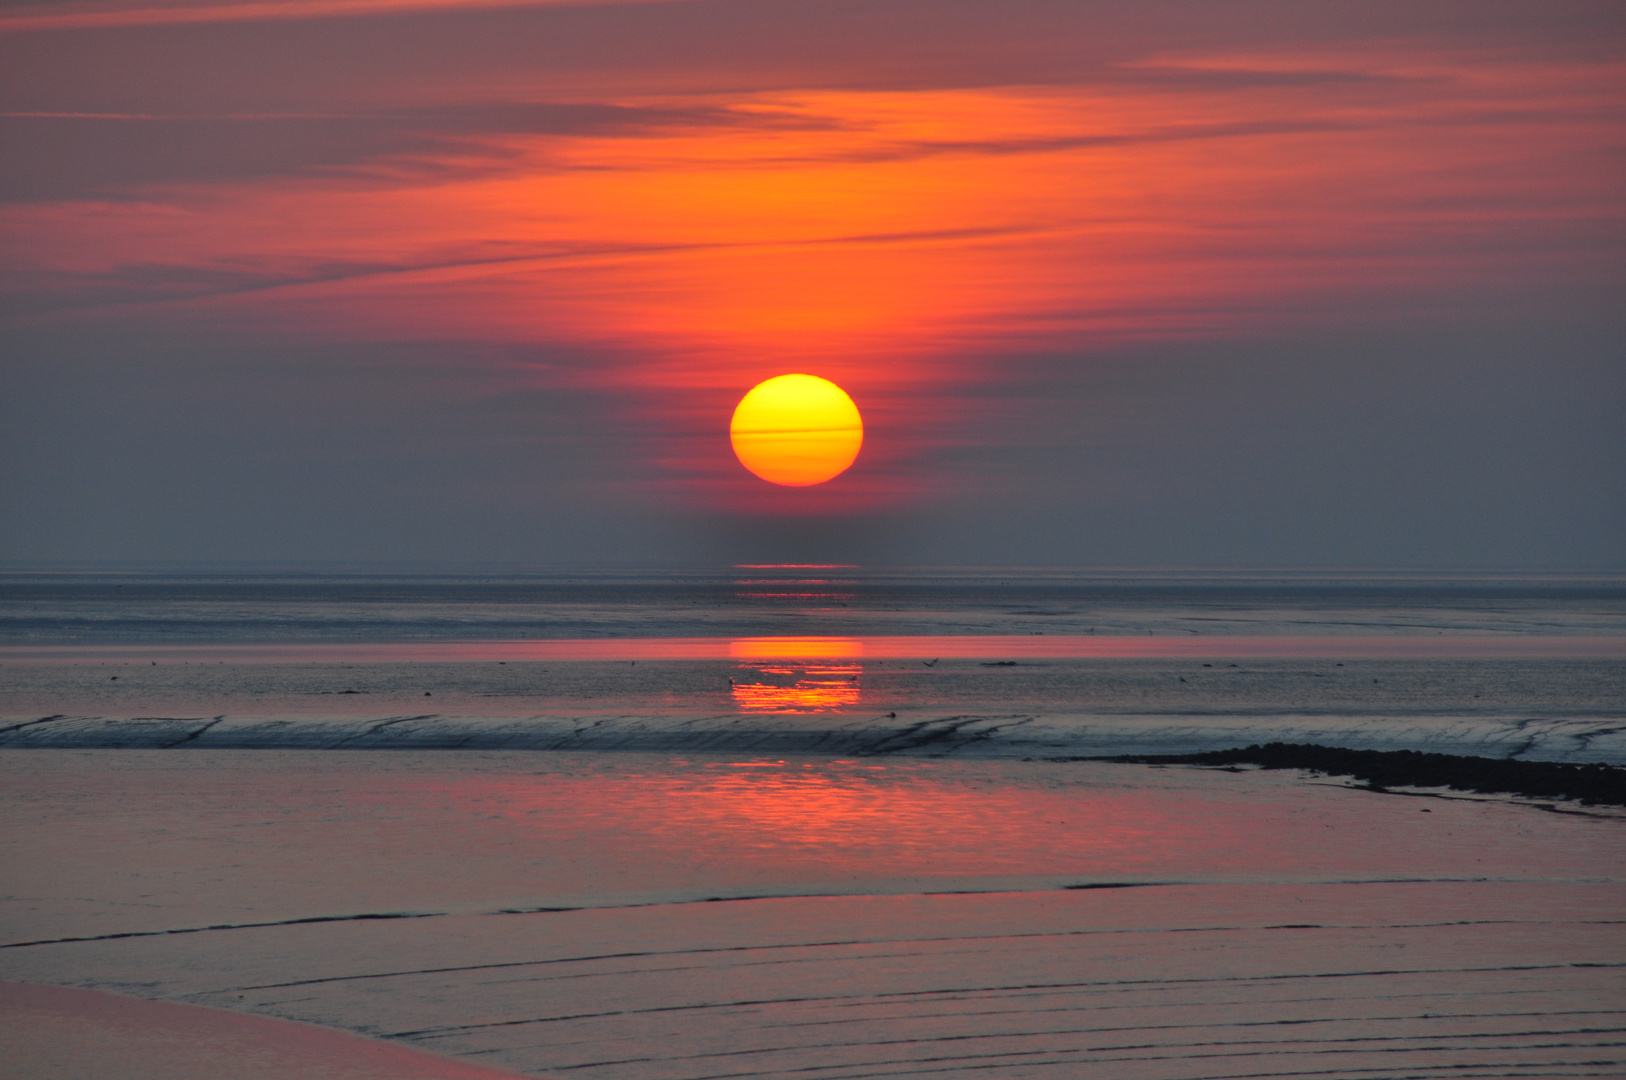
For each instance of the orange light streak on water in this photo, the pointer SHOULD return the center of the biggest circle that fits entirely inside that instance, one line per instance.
(794, 688)
(900, 647)
(794, 647)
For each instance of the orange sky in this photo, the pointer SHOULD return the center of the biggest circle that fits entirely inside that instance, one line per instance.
(683, 227)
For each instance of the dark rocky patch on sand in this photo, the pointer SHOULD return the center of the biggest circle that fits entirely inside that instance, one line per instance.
(1592, 784)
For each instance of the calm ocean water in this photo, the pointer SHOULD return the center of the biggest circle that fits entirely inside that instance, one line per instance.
(820, 659)
(817, 601)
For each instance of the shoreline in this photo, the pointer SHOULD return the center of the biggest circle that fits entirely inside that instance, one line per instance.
(964, 738)
(1020, 736)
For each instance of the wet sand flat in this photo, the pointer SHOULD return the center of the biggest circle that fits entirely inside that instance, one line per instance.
(1539, 708)
(52, 1031)
(632, 916)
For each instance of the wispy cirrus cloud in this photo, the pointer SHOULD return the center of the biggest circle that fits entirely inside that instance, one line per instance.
(68, 155)
(1029, 210)
(106, 16)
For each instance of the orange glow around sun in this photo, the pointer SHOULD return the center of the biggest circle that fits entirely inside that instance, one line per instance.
(796, 430)
(934, 250)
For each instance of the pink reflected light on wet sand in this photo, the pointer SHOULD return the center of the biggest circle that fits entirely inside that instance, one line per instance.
(848, 820)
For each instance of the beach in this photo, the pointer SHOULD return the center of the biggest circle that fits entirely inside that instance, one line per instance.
(670, 855)
(790, 540)
(625, 915)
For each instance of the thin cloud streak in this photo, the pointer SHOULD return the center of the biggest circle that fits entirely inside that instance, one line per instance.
(59, 156)
(140, 286)
(120, 17)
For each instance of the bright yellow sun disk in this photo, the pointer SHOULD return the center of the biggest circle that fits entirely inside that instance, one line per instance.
(796, 430)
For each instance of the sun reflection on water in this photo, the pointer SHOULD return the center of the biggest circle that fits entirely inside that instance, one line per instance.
(796, 674)
(817, 686)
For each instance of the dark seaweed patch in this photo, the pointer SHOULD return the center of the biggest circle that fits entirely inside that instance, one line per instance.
(1593, 784)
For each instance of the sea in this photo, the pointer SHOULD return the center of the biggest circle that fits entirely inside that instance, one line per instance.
(821, 659)
(800, 823)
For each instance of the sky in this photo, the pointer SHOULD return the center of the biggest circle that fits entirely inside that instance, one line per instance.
(433, 283)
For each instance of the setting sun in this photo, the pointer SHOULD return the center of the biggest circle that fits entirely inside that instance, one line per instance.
(796, 430)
